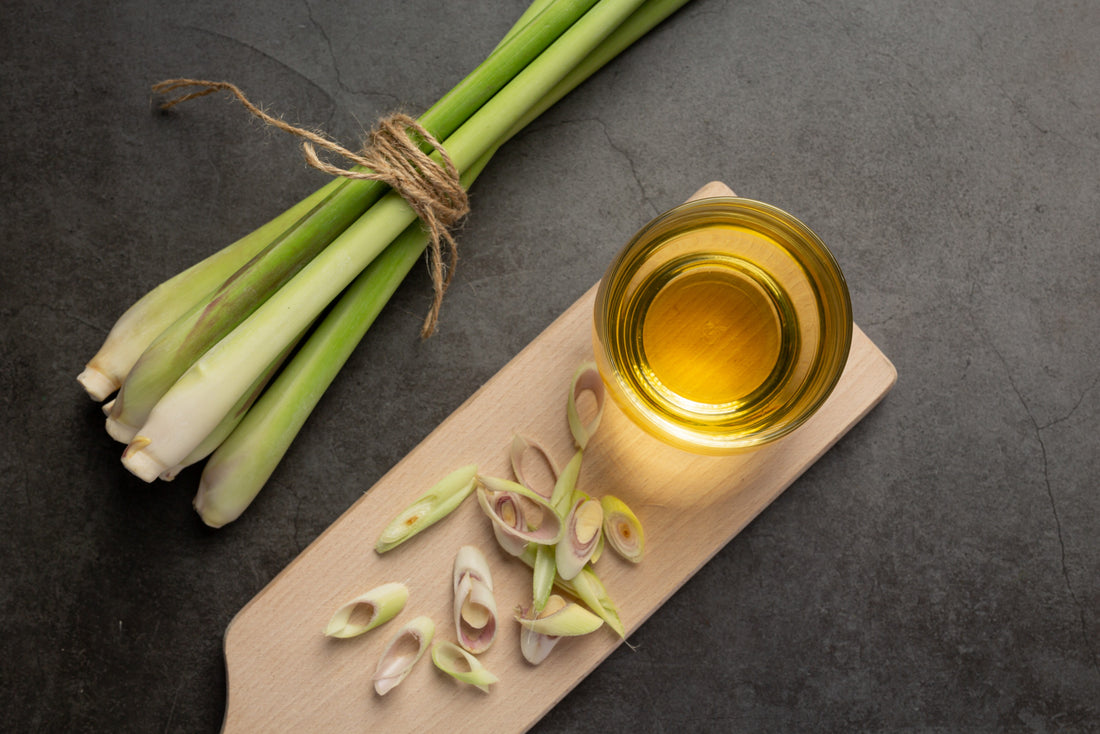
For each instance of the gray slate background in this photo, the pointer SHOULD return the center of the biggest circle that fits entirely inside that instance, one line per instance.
(938, 570)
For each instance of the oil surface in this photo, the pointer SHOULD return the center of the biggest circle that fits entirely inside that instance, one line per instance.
(711, 334)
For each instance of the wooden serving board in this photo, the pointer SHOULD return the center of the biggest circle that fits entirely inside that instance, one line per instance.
(284, 675)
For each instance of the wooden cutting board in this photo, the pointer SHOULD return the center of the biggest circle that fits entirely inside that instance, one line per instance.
(284, 675)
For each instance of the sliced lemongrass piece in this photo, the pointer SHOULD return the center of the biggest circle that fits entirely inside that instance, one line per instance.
(461, 665)
(429, 508)
(562, 498)
(547, 533)
(509, 511)
(598, 552)
(522, 447)
(622, 528)
(583, 528)
(586, 587)
(402, 652)
(367, 611)
(545, 570)
(561, 619)
(585, 379)
(475, 609)
(534, 646)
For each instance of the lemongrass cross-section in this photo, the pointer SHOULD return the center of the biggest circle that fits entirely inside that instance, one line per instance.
(475, 609)
(462, 665)
(402, 652)
(429, 508)
(368, 610)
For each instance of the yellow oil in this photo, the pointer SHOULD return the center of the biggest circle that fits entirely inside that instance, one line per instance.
(723, 324)
(706, 338)
(710, 335)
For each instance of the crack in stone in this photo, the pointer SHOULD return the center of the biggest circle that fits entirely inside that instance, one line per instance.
(1080, 607)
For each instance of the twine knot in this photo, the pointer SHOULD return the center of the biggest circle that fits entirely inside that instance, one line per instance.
(392, 154)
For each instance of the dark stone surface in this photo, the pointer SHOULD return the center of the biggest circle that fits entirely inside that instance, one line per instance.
(938, 570)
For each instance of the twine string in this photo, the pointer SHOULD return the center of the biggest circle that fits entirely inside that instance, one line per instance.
(392, 154)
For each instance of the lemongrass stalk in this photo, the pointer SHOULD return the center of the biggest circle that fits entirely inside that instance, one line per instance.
(194, 405)
(216, 437)
(150, 315)
(194, 332)
(241, 466)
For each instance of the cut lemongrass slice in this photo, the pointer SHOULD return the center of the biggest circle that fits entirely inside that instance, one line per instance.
(475, 609)
(548, 532)
(367, 611)
(582, 536)
(561, 619)
(585, 379)
(523, 447)
(461, 665)
(401, 654)
(622, 529)
(430, 508)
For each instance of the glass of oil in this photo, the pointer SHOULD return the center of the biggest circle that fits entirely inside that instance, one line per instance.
(722, 325)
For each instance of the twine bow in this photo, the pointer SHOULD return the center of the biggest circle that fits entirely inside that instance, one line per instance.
(392, 155)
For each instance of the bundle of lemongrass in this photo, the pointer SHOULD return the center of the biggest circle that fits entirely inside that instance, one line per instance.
(225, 360)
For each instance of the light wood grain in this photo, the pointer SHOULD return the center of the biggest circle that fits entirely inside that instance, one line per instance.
(284, 675)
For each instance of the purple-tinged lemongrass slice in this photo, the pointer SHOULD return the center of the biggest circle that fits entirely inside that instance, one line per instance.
(402, 652)
(461, 665)
(475, 609)
(429, 508)
(546, 533)
(582, 535)
(508, 508)
(622, 528)
(523, 447)
(367, 611)
(585, 379)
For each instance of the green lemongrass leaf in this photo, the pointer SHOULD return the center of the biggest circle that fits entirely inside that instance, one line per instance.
(588, 587)
(562, 497)
(461, 665)
(429, 508)
(402, 652)
(622, 529)
(564, 620)
(583, 528)
(542, 579)
(585, 380)
(368, 610)
(547, 533)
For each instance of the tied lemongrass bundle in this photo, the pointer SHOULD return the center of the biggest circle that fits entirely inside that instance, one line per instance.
(206, 363)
